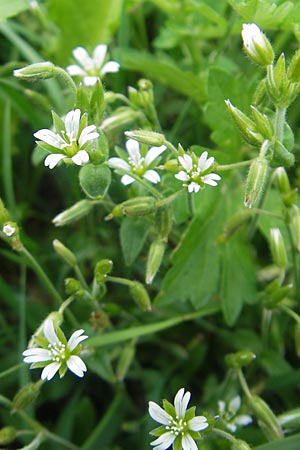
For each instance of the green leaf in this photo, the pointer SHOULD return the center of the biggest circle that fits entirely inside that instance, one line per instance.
(12, 7)
(133, 234)
(290, 443)
(95, 180)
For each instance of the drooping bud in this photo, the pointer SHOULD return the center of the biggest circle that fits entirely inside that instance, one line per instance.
(140, 295)
(73, 287)
(256, 181)
(154, 260)
(239, 359)
(239, 444)
(64, 253)
(7, 435)
(256, 45)
(282, 180)
(246, 126)
(102, 268)
(267, 420)
(26, 395)
(135, 207)
(35, 72)
(293, 72)
(122, 117)
(75, 212)
(146, 137)
(278, 248)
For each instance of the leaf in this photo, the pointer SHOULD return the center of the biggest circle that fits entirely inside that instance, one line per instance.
(95, 180)
(12, 7)
(290, 443)
(133, 234)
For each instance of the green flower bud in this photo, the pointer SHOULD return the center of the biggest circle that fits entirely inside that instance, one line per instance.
(7, 435)
(122, 117)
(73, 287)
(282, 180)
(280, 77)
(275, 293)
(295, 226)
(293, 72)
(26, 395)
(281, 156)
(256, 181)
(64, 253)
(267, 420)
(82, 101)
(74, 213)
(246, 126)
(146, 137)
(135, 207)
(239, 359)
(102, 268)
(281, 90)
(261, 94)
(145, 85)
(154, 260)
(125, 361)
(140, 295)
(97, 103)
(164, 222)
(238, 444)
(278, 248)
(263, 124)
(256, 45)
(171, 165)
(37, 71)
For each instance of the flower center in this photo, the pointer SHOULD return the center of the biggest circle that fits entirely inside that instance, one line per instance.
(177, 426)
(57, 352)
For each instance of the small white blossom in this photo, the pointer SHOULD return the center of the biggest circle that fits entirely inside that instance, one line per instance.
(195, 173)
(72, 140)
(257, 45)
(8, 230)
(229, 413)
(178, 423)
(91, 68)
(56, 354)
(138, 164)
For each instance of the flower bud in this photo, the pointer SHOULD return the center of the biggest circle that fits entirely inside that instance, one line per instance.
(239, 359)
(282, 180)
(295, 226)
(256, 181)
(293, 72)
(73, 287)
(275, 293)
(25, 396)
(281, 156)
(97, 102)
(261, 94)
(239, 444)
(256, 45)
(75, 212)
(154, 260)
(102, 268)
(64, 253)
(125, 361)
(7, 435)
(278, 248)
(246, 126)
(267, 420)
(56, 317)
(140, 295)
(146, 137)
(135, 207)
(171, 165)
(120, 119)
(262, 123)
(164, 222)
(37, 71)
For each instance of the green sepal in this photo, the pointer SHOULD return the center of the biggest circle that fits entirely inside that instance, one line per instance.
(190, 413)
(282, 157)
(169, 408)
(49, 148)
(158, 431)
(57, 122)
(61, 336)
(40, 365)
(62, 370)
(95, 180)
(195, 434)
(97, 103)
(177, 444)
(82, 101)
(121, 153)
(83, 122)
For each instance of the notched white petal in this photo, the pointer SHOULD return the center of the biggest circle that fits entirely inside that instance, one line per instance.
(159, 414)
(76, 365)
(50, 370)
(81, 157)
(110, 67)
(53, 159)
(75, 339)
(198, 423)
(49, 332)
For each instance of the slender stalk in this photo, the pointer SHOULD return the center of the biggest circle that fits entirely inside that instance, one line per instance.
(171, 147)
(23, 378)
(224, 434)
(7, 161)
(118, 280)
(291, 313)
(55, 438)
(244, 384)
(11, 370)
(222, 168)
(295, 257)
(81, 278)
(42, 275)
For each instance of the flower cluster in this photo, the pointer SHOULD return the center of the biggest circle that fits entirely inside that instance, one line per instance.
(55, 353)
(91, 68)
(196, 171)
(180, 426)
(137, 163)
(229, 413)
(70, 140)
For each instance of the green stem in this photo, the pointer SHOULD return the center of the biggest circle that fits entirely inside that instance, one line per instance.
(55, 438)
(171, 147)
(68, 81)
(220, 167)
(41, 274)
(290, 313)
(224, 434)
(7, 161)
(244, 384)
(11, 370)
(24, 377)
(170, 199)
(295, 257)
(118, 280)
(81, 278)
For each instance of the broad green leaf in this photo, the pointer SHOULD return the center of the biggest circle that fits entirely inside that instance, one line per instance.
(133, 234)
(12, 7)
(289, 443)
(95, 180)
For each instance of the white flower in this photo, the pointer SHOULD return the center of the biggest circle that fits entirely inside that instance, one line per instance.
(8, 230)
(91, 68)
(178, 423)
(229, 413)
(196, 171)
(72, 139)
(138, 164)
(56, 353)
(257, 45)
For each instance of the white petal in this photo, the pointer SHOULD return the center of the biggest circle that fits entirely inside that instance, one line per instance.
(90, 80)
(81, 157)
(72, 121)
(194, 187)
(76, 365)
(231, 427)
(50, 138)
(243, 420)
(133, 149)
(126, 180)
(87, 134)
(35, 351)
(164, 441)
(35, 355)
(75, 339)
(182, 176)
(50, 370)
(153, 153)
(221, 406)
(110, 67)
(204, 163)
(36, 359)
(235, 404)
(83, 58)
(211, 179)
(152, 176)
(186, 162)
(75, 70)
(118, 163)
(53, 159)
(188, 443)
(198, 423)
(181, 401)
(49, 332)
(159, 414)
(99, 55)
